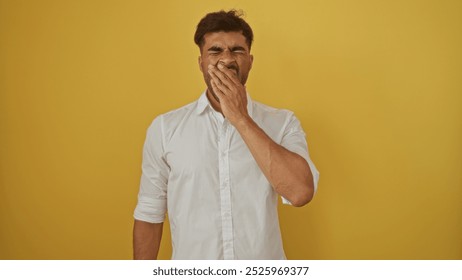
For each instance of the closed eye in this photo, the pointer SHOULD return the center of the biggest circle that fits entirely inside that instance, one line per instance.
(238, 50)
(214, 50)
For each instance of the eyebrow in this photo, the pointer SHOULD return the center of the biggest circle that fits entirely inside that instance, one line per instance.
(215, 49)
(219, 49)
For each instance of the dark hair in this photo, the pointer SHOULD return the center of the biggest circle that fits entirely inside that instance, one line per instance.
(223, 21)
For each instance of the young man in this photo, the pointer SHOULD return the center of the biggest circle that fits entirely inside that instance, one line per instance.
(218, 165)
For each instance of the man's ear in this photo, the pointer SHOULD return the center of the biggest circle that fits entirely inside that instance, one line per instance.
(199, 60)
(251, 61)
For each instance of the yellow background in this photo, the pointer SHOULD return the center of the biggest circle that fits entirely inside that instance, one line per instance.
(376, 84)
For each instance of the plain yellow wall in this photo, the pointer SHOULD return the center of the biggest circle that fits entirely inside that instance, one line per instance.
(376, 84)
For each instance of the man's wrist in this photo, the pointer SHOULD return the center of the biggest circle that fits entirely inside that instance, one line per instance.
(244, 123)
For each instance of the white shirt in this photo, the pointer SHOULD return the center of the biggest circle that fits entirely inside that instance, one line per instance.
(197, 168)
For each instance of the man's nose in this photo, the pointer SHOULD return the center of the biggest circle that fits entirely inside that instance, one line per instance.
(227, 57)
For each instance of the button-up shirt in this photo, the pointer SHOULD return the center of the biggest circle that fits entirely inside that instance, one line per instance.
(197, 168)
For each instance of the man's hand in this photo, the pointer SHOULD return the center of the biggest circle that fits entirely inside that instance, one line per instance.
(230, 92)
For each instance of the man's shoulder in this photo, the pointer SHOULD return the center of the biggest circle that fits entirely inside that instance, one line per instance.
(178, 113)
(164, 122)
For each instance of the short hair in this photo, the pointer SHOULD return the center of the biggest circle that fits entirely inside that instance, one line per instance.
(223, 21)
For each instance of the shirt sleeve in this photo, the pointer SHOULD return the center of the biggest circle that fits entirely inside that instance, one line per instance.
(152, 196)
(294, 140)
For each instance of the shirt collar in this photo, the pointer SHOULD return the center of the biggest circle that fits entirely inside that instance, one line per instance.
(203, 103)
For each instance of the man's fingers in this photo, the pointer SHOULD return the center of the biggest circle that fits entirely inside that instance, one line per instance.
(214, 78)
(224, 79)
(231, 75)
(218, 92)
(219, 84)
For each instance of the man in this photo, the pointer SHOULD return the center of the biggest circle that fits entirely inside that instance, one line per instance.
(218, 164)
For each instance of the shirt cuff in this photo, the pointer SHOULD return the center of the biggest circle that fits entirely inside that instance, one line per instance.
(151, 211)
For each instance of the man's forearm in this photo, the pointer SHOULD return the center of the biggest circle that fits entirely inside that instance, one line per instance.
(146, 240)
(288, 172)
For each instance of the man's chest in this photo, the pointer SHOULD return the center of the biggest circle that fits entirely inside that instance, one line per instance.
(208, 149)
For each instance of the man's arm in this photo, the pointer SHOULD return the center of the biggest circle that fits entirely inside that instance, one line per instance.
(288, 172)
(146, 240)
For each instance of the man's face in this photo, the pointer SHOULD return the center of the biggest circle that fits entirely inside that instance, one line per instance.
(228, 48)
